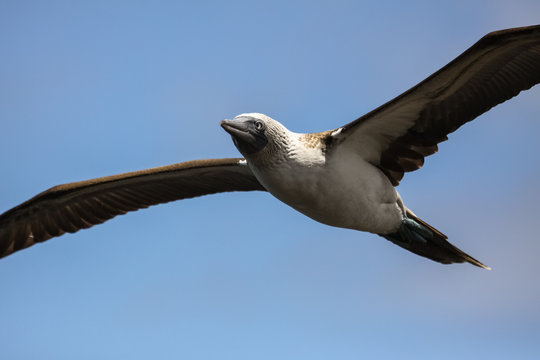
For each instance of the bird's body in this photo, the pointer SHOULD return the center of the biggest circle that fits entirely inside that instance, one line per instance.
(344, 177)
(323, 185)
(335, 194)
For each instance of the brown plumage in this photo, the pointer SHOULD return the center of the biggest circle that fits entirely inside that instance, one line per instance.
(436, 248)
(493, 70)
(80, 205)
(313, 140)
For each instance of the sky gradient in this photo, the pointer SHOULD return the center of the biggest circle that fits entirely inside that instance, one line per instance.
(89, 89)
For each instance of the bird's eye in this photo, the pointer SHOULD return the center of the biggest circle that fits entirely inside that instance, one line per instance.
(259, 125)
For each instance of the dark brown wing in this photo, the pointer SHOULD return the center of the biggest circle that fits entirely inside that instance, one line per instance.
(399, 134)
(80, 205)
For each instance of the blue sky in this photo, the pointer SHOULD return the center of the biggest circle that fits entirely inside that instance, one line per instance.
(89, 89)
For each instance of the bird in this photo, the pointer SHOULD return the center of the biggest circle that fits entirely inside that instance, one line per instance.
(345, 177)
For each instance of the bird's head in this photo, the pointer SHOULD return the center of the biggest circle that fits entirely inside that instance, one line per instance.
(256, 135)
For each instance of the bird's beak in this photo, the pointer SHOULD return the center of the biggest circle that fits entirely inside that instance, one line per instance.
(245, 136)
(239, 130)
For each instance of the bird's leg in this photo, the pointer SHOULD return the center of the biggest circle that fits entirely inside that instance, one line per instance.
(413, 231)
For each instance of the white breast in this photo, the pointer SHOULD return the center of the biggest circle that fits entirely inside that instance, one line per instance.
(343, 191)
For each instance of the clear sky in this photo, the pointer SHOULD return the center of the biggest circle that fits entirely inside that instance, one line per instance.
(95, 88)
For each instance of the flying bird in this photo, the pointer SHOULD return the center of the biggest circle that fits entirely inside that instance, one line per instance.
(345, 177)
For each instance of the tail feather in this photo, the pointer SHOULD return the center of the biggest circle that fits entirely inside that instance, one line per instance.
(422, 239)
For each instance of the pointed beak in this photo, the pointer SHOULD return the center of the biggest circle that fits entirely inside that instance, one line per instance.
(239, 130)
(234, 127)
(244, 135)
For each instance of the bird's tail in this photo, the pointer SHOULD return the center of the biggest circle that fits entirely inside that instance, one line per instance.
(422, 239)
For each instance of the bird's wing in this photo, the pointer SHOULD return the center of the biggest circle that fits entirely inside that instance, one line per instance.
(399, 134)
(79, 205)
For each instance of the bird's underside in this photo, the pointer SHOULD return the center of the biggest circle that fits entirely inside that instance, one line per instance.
(394, 138)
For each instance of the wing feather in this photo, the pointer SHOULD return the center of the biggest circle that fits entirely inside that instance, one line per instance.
(80, 205)
(495, 69)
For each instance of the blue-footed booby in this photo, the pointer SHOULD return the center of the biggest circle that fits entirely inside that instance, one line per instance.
(345, 177)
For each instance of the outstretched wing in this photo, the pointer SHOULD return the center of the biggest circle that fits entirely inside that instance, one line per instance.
(80, 205)
(399, 134)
